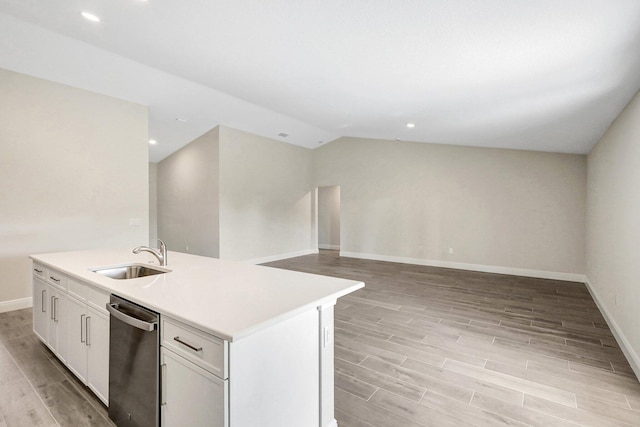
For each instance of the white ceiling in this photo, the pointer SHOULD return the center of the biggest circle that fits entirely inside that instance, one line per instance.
(542, 75)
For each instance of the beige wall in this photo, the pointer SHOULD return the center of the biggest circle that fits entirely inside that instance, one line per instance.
(613, 227)
(153, 203)
(520, 212)
(234, 195)
(73, 172)
(412, 201)
(329, 217)
(188, 210)
(265, 197)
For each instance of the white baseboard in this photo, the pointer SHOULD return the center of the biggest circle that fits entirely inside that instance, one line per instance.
(280, 256)
(632, 356)
(330, 247)
(16, 304)
(540, 274)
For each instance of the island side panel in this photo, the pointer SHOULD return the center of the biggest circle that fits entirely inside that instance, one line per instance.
(325, 313)
(274, 380)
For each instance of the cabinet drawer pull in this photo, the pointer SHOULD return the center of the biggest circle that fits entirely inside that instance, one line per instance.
(187, 344)
(87, 330)
(53, 313)
(54, 279)
(37, 271)
(81, 327)
(163, 384)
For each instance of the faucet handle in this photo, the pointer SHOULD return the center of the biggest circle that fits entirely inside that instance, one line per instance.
(162, 244)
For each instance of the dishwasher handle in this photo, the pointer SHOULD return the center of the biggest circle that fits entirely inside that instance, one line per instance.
(130, 320)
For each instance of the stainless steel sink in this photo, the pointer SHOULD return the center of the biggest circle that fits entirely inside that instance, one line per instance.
(129, 271)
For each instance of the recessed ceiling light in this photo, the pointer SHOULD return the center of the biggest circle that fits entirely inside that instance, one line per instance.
(181, 120)
(153, 142)
(411, 125)
(90, 16)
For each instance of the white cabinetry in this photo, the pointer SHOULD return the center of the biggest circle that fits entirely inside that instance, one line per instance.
(194, 385)
(191, 395)
(69, 316)
(98, 353)
(279, 376)
(89, 337)
(77, 359)
(40, 308)
(57, 319)
(49, 310)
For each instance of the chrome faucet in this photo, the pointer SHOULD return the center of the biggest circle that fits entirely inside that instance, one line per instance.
(160, 253)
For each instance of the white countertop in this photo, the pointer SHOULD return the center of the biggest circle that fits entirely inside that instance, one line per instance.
(230, 300)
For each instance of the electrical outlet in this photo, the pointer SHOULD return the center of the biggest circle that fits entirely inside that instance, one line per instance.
(326, 338)
(450, 251)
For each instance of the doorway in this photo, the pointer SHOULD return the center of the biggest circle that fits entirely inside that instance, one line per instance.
(329, 217)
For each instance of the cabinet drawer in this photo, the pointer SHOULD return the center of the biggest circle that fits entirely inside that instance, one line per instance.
(57, 279)
(39, 271)
(96, 298)
(200, 348)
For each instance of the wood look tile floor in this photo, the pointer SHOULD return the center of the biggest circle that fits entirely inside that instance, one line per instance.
(425, 346)
(418, 346)
(35, 388)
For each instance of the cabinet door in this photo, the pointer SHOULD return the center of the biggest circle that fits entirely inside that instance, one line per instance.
(76, 329)
(52, 336)
(58, 325)
(97, 340)
(191, 396)
(40, 308)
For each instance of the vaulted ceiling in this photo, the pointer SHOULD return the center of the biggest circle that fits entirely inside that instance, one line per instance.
(542, 75)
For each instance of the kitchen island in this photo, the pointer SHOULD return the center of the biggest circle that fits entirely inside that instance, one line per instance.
(267, 334)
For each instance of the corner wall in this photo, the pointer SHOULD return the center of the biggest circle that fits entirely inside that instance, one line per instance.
(507, 211)
(613, 228)
(265, 198)
(73, 175)
(188, 197)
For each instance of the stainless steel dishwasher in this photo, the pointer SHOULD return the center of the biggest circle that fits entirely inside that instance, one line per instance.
(134, 364)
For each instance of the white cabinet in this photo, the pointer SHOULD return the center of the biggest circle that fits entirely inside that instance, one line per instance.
(191, 396)
(88, 356)
(98, 353)
(40, 308)
(57, 319)
(49, 309)
(71, 319)
(279, 376)
(77, 357)
(193, 377)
